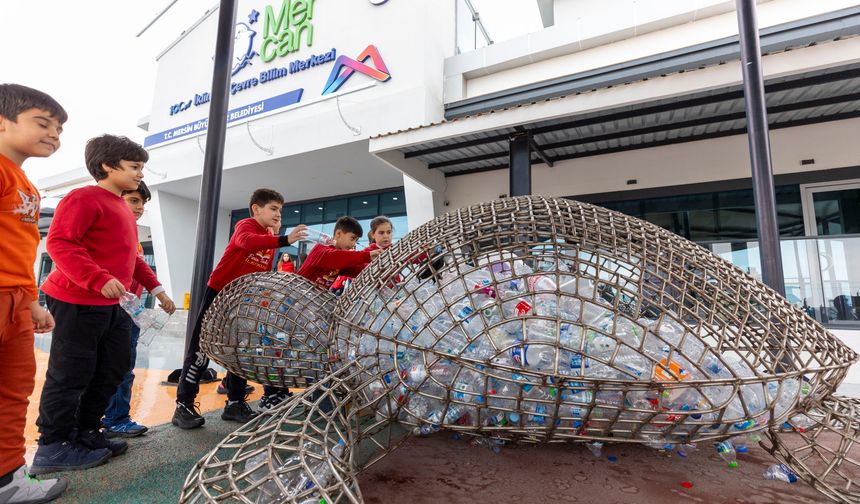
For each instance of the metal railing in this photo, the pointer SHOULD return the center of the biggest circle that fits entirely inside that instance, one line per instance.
(462, 44)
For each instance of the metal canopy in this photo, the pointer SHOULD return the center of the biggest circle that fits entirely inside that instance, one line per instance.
(824, 95)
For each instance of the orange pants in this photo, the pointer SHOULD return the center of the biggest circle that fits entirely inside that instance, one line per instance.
(17, 375)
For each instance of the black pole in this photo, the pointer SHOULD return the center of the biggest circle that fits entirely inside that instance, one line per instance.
(520, 164)
(759, 142)
(213, 162)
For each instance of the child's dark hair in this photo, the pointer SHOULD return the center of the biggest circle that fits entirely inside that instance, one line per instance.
(263, 197)
(375, 223)
(110, 150)
(348, 224)
(15, 98)
(145, 195)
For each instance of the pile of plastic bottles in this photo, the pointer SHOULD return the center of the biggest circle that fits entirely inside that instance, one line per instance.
(281, 340)
(508, 345)
(293, 477)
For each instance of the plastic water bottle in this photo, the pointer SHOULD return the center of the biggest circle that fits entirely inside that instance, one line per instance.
(150, 322)
(727, 452)
(317, 236)
(595, 448)
(780, 472)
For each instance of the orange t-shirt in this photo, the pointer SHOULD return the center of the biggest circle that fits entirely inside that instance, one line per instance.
(19, 227)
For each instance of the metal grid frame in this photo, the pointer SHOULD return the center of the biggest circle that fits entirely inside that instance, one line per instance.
(734, 356)
(822, 448)
(271, 328)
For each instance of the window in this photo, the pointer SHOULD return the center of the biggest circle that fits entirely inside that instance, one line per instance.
(837, 212)
(392, 203)
(46, 265)
(364, 207)
(715, 216)
(335, 209)
(149, 258)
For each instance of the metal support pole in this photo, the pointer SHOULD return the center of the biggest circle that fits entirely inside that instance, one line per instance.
(520, 164)
(213, 162)
(759, 144)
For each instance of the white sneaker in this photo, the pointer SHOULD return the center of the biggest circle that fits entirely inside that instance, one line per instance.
(24, 489)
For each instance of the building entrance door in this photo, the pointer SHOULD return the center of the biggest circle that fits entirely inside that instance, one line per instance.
(832, 214)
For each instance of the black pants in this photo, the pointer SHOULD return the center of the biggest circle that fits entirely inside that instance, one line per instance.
(196, 362)
(90, 355)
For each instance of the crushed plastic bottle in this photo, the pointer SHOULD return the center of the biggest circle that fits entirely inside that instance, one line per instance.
(493, 444)
(596, 448)
(684, 450)
(780, 472)
(149, 321)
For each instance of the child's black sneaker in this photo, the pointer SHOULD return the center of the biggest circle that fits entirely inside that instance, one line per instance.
(222, 387)
(66, 456)
(272, 401)
(96, 440)
(239, 411)
(187, 416)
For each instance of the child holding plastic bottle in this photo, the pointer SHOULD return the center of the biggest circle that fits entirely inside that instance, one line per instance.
(117, 419)
(380, 234)
(326, 262)
(93, 242)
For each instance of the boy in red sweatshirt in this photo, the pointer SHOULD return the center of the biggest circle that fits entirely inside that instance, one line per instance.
(325, 262)
(251, 250)
(30, 126)
(93, 243)
(117, 420)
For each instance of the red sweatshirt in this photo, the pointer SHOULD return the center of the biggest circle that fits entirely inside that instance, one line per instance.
(93, 238)
(324, 263)
(341, 279)
(251, 250)
(136, 287)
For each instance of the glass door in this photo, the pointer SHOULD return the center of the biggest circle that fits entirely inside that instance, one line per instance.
(832, 211)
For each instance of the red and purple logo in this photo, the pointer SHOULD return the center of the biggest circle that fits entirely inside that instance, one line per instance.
(350, 66)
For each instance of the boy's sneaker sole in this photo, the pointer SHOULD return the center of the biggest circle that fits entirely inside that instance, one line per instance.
(39, 470)
(125, 434)
(188, 425)
(110, 434)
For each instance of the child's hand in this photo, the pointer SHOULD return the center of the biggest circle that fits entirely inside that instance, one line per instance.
(298, 233)
(374, 253)
(113, 289)
(166, 303)
(43, 321)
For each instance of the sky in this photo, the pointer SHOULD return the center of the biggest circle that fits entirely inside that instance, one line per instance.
(87, 56)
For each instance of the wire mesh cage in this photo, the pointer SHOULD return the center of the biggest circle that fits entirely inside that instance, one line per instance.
(822, 448)
(540, 320)
(271, 328)
(545, 319)
(301, 452)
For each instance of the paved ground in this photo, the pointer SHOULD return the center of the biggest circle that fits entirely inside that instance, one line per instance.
(434, 470)
(440, 469)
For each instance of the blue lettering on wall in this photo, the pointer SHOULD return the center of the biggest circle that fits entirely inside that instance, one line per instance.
(265, 76)
(250, 110)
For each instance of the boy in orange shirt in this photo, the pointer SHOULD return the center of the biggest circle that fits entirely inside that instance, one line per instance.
(30, 126)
